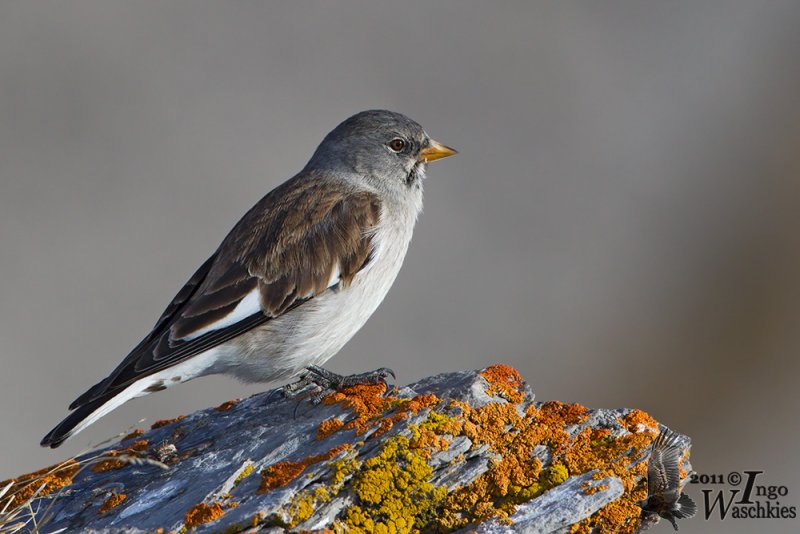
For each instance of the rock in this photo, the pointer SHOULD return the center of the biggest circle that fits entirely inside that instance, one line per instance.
(456, 452)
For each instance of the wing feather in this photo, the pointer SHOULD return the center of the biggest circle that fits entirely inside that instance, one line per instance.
(287, 248)
(663, 473)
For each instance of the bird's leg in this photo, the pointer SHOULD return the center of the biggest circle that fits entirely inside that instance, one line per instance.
(674, 523)
(324, 381)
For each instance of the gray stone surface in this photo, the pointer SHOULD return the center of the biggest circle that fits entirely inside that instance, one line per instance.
(208, 452)
(560, 507)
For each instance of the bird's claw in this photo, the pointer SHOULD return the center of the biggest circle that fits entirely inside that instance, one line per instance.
(319, 382)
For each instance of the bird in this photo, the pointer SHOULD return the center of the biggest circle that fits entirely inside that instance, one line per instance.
(664, 494)
(295, 278)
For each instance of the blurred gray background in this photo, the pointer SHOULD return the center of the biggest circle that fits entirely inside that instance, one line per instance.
(621, 224)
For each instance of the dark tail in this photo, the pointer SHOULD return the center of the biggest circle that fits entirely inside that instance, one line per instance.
(94, 391)
(66, 428)
(685, 507)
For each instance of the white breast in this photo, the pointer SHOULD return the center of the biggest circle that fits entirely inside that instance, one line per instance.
(319, 328)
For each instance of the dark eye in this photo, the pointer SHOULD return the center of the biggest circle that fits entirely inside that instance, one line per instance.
(397, 144)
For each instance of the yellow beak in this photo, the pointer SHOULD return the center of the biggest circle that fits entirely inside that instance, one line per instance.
(435, 150)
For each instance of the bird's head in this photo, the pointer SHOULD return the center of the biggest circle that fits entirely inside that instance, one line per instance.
(386, 148)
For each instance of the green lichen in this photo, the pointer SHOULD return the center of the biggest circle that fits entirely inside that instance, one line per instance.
(394, 491)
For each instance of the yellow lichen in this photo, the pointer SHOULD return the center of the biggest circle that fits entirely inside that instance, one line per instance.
(246, 472)
(443, 424)
(342, 470)
(301, 508)
(394, 491)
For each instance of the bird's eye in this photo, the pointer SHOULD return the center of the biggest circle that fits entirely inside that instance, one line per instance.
(397, 144)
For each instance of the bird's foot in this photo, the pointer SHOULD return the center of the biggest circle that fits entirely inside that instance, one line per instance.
(319, 382)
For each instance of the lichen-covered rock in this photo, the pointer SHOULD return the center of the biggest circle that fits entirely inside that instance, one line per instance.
(468, 451)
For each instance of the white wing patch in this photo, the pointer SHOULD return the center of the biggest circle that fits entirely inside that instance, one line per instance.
(184, 371)
(249, 305)
(335, 276)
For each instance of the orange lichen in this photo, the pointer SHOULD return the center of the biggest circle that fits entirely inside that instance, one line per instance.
(112, 502)
(598, 449)
(203, 513)
(165, 422)
(569, 414)
(328, 427)
(368, 403)
(227, 405)
(425, 439)
(681, 471)
(620, 516)
(504, 381)
(384, 425)
(515, 475)
(420, 402)
(405, 406)
(109, 463)
(282, 473)
(257, 519)
(135, 434)
(638, 421)
(53, 478)
(589, 489)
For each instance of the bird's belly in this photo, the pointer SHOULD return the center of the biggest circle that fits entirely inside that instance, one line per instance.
(336, 318)
(315, 331)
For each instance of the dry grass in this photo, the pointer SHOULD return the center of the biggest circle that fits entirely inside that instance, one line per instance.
(26, 502)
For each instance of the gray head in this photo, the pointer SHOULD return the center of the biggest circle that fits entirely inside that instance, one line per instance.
(387, 148)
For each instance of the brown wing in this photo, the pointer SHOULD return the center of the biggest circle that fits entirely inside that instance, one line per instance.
(305, 237)
(663, 475)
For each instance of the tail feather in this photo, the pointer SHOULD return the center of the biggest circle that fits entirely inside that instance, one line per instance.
(685, 507)
(67, 427)
(91, 411)
(89, 395)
